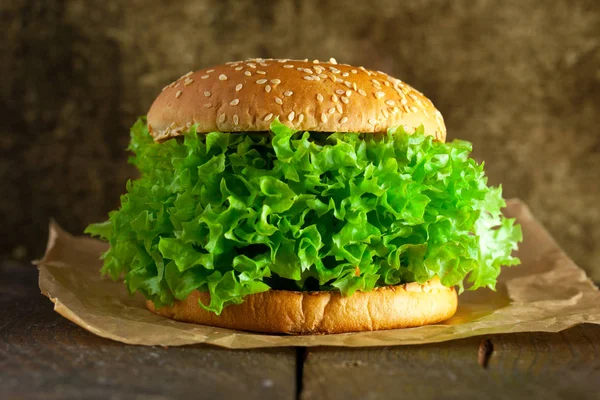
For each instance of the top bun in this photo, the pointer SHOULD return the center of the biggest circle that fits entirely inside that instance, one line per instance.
(246, 96)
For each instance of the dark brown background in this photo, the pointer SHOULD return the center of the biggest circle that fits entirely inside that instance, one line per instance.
(520, 79)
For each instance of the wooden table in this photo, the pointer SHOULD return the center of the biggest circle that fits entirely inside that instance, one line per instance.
(42, 355)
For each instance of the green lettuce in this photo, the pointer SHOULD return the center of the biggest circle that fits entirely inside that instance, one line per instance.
(235, 214)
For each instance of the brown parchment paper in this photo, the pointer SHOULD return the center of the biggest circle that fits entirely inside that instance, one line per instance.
(548, 292)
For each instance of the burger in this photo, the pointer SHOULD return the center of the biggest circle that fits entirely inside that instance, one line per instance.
(298, 197)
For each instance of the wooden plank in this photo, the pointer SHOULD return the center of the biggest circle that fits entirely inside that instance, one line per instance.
(529, 365)
(44, 355)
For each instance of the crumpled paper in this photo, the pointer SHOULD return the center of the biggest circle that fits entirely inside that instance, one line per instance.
(548, 293)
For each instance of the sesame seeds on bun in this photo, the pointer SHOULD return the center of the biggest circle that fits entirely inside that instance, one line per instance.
(246, 96)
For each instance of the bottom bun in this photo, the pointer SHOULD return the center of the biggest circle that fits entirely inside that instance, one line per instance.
(280, 311)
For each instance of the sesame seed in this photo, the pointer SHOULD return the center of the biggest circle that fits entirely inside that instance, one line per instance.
(426, 113)
(332, 78)
(353, 71)
(332, 60)
(348, 84)
(334, 98)
(222, 77)
(373, 121)
(291, 116)
(282, 60)
(390, 102)
(207, 94)
(207, 105)
(354, 86)
(386, 83)
(178, 94)
(275, 81)
(288, 66)
(300, 118)
(404, 101)
(261, 72)
(406, 109)
(307, 77)
(396, 110)
(188, 82)
(412, 96)
(331, 110)
(165, 88)
(239, 68)
(177, 84)
(308, 71)
(340, 91)
(345, 74)
(343, 120)
(339, 108)
(278, 101)
(268, 117)
(385, 113)
(375, 82)
(234, 102)
(268, 88)
(345, 100)
(318, 69)
(319, 97)
(362, 92)
(323, 117)
(263, 64)
(236, 119)
(261, 81)
(238, 87)
(210, 70)
(379, 95)
(288, 93)
(247, 73)
(251, 65)
(222, 118)
(323, 76)
(315, 61)
(348, 93)
(316, 78)
(188, 74)
(414, 109)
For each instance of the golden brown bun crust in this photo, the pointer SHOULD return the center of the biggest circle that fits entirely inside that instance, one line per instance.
(279, 311)
(246, 96)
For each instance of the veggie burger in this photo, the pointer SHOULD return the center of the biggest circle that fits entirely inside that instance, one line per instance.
(290, 196)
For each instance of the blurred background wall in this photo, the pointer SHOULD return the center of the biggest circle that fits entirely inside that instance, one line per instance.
(518, 78)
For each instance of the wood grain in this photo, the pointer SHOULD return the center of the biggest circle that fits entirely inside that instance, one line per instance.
(520, 366)
(42, 355)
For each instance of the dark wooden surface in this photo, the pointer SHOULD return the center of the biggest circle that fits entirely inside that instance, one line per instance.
(42, 355)
(521, 366)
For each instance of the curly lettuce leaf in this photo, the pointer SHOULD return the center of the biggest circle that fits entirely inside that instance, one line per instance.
(236, 214)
